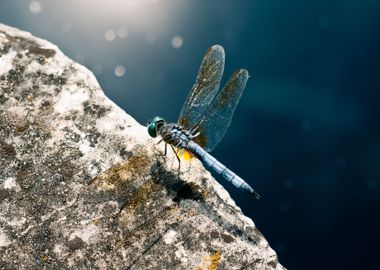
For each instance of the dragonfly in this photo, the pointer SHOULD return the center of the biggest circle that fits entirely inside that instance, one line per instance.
(206, 116)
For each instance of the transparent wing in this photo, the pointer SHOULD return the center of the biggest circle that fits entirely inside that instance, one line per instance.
(215, 121)
(205, 88)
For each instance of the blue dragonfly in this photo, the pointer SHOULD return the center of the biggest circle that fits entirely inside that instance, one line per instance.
(205, 116)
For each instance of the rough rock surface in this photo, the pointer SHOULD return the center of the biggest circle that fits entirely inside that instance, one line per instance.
(58, 132)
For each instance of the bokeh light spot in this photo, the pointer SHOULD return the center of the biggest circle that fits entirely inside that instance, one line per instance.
(324, 22)
(177, 42)
(35, 7)
(109, 35)
(119, 71)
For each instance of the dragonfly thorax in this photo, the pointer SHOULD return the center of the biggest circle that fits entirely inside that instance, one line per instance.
(175, 135)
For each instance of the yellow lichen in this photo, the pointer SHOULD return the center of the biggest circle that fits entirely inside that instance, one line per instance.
(210, 262)
(44, 258)
(214, 260)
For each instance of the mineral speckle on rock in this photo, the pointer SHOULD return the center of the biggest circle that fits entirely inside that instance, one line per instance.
(71, 159)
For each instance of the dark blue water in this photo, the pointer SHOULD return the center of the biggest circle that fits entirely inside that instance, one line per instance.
(306, 132)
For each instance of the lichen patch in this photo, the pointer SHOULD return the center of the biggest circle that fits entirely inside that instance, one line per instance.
(69, 100)
(6, 62)
(87, 234)
(10, 183)
(170, 236)
(4, 240)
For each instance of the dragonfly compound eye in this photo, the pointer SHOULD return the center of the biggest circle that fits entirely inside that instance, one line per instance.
(154, 124)
(152, 129)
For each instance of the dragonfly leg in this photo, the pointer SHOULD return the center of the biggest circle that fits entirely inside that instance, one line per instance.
(194, 132)
(166, 146)
(180, 152)
(179, 160)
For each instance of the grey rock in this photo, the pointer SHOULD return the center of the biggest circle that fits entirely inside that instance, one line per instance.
(58, 133)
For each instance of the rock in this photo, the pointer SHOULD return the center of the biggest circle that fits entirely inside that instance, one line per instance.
(58, 134)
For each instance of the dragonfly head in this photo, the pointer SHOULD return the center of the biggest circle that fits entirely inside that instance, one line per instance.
(155, 125)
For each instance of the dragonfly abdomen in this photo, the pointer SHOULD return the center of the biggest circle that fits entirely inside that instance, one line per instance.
(218, 167)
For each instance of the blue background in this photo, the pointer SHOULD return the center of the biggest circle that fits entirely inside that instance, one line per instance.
(306, 132)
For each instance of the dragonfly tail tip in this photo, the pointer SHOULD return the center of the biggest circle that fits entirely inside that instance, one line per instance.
(256, 195)
(252, 192)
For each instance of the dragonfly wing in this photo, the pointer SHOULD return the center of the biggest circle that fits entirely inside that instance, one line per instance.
(205, 88)
(214, 122)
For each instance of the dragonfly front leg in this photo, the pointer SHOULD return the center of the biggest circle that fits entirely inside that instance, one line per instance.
(166, 146)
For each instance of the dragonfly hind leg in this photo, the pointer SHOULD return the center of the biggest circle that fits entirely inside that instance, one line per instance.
(178, 159)
(181, 152)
